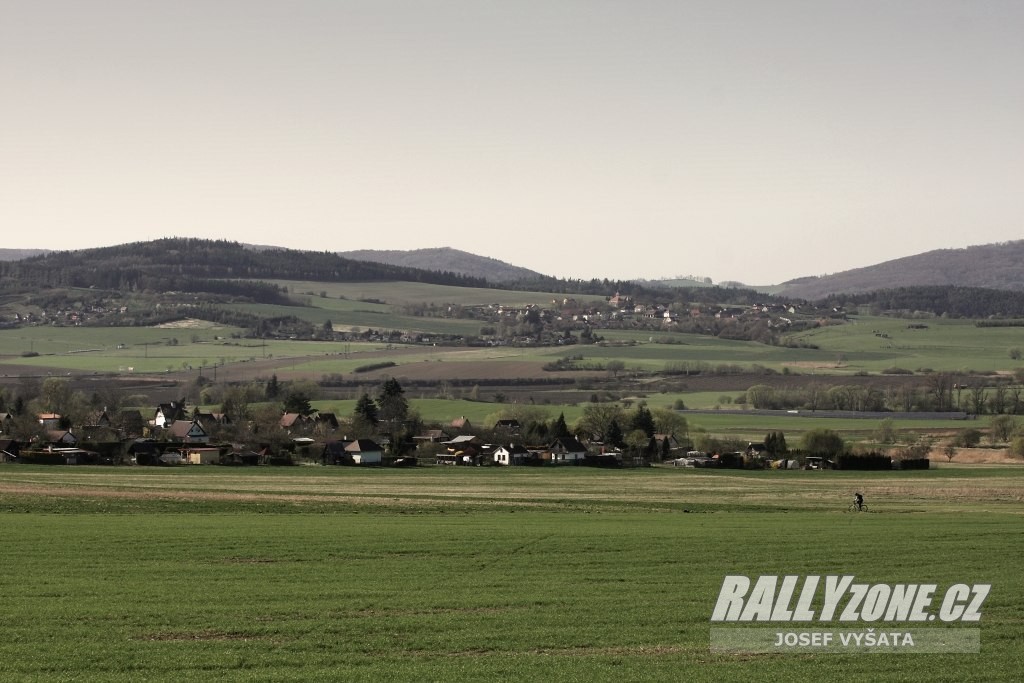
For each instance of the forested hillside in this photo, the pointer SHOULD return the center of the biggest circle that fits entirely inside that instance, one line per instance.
(192, 265)
(446, 259)
(989, 266)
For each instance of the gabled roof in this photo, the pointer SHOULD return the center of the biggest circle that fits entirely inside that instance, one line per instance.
(514, 449)
(568, 444)
(431, 435)
(327, 418)
(182, 428)
(462, 439)
(363, 446)
(292, 419)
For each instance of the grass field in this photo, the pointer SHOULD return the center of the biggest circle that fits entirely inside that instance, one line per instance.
(473, 574)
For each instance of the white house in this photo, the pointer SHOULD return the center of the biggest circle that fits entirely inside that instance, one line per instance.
(567, 449)
(511, 455)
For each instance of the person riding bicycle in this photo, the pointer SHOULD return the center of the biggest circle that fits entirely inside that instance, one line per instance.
(858, 500)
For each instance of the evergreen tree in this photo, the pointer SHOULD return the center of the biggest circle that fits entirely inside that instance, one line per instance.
(560, 428)
(297, 402)
(273, 388)
(614, 435)
(643, 420)
(392, 406)
(365, 412)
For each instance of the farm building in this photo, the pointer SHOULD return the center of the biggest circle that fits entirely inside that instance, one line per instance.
(365, 452)
(203, 456)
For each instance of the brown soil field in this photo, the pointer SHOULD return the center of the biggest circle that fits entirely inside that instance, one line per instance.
(977, 456)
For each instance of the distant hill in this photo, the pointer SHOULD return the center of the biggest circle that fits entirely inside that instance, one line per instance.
(446, 259)
(195, 265)
(18, 254)
(990, 266)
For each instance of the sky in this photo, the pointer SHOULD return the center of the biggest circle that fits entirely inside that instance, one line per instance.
(746, 140)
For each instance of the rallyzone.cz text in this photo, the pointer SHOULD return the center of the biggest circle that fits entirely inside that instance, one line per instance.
(773, 600)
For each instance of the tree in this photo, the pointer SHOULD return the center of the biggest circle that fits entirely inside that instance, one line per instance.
(823, 442)
(949, 451)
(392, 406)
(614, 367)
(967, 438)
(775, 444)
(637, 442)
(670, 422)
(613, 435)
(643, 420)
(273, 389)
(977, 399)
(886, 432)
(236, 402)
(297, 402)
(1001, 428)
(560, 428)
(597, 419)
(365, 414)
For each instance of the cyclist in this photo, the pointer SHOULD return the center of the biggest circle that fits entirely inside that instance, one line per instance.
(858, 500)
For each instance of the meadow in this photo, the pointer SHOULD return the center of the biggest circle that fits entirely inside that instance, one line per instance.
(313, 573)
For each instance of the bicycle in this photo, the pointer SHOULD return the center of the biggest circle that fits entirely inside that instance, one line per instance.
(857, 508)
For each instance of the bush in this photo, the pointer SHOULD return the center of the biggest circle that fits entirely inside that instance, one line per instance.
(967, 438)
(376, 366)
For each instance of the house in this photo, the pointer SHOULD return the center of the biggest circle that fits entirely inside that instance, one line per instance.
(49, 421)
(240, 457)
(326, 422)
(99, 433)
(203, 456)
(461, 423)
(459, 442)
(294, 422)
(188, 432)
(168, 413)
(514, 454)
(365, 452)
(566, 449)
(510, 426)
(100, 419)
(62, 437)
(431, 436)
(211, 420)
(334, 453)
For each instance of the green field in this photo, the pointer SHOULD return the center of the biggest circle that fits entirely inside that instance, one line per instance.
(473, 574)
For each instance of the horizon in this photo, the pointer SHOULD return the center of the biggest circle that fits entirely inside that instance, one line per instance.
(732, 140)
(679, 276)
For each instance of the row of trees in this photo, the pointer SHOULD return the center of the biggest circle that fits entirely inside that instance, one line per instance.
(939, 392)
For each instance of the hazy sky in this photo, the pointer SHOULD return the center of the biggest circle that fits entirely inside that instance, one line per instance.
(754, 141)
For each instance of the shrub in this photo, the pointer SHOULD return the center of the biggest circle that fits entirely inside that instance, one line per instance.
(375, 366)
(967, 438)
(914, 464)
